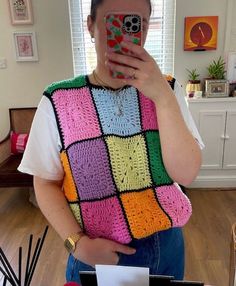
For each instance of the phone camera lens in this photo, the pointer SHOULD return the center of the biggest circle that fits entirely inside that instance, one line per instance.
(135, 28)
(135, 20)
(128, 24)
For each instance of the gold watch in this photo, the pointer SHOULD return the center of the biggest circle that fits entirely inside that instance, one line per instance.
(70, 242)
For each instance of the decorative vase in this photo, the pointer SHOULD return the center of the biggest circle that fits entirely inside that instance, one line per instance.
(20, 8)
(193, 85)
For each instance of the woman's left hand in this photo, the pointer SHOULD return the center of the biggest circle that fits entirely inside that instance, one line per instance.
(142, 70)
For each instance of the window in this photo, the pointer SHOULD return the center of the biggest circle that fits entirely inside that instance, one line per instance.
(159, 43)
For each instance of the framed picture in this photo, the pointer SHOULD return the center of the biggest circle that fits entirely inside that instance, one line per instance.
(25, 46)
(216, 88)
(201, 33)
(231, 67)
(21, 12)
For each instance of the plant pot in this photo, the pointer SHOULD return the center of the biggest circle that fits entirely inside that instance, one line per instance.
(193, 85)
(20, 11)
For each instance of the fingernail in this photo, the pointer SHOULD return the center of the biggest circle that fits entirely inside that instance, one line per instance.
(108, 63)
(108, 55)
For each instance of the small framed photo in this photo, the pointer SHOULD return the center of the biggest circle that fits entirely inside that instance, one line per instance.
(21, 12)
(216, 88)
(25, 46)
(231, 67)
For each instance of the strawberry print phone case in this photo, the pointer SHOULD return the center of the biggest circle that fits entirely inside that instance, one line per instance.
(122, 27)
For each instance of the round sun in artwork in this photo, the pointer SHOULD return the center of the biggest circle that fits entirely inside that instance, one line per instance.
(201, 33)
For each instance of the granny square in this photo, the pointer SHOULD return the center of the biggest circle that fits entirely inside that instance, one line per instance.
(158, 171)
(148, 113)
(79, 120)
(68, 183)
(90, 167)
(76, 211)
(129, 162)
(175, 203)
(143, 213)
(108, 104)
(105, 218)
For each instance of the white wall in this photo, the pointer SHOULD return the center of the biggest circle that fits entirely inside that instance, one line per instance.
(232, 45)
(200, 60)
(22, 83)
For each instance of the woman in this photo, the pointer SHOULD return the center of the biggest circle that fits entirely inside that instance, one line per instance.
(106, 167)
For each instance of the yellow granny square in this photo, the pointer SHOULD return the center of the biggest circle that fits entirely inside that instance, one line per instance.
(129, 162)
(76, 211)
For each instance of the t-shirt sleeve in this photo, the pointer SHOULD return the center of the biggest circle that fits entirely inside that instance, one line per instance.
(42, 154)
(180, 96)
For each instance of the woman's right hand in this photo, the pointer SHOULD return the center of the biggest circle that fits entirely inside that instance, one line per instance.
(100, 251)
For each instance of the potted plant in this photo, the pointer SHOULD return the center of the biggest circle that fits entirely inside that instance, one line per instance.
(216, 85)
(194, 83)
(20, 7)
(216, 70)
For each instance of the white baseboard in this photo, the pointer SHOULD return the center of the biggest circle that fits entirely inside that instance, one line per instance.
(214, 182)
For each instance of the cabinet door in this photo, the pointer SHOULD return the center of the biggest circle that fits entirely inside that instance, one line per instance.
(230, 141)
(212, 130)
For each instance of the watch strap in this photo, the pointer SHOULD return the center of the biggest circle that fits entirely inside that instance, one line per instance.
(73, 239)
(76, 236)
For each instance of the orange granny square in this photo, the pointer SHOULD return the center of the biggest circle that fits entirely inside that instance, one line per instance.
(144, 215)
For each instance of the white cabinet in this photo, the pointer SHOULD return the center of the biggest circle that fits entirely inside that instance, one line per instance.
(230, 141)
(216, 122)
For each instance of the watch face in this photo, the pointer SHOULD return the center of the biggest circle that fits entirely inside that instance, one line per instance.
(69, 245)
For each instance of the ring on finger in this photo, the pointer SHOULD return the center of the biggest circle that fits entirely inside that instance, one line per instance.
(134, 74)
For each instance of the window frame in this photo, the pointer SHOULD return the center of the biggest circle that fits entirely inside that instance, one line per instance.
(162, 50)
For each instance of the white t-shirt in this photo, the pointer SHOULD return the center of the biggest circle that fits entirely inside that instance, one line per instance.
(42, 155)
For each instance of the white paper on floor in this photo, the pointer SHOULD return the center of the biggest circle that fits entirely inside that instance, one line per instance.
(113, 275)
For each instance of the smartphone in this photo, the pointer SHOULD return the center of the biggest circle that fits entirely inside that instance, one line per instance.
(160, 280)
(185, 283)
(88, 278)
(121, 27)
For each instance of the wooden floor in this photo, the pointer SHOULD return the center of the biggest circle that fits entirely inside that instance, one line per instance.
(207, 236)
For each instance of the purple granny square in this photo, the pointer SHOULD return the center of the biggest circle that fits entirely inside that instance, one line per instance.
(90, 165)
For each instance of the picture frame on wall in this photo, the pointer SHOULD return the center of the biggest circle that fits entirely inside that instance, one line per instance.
(201, 33)
(231, 67)
(21, 12)
(216, 88)
(25, 46)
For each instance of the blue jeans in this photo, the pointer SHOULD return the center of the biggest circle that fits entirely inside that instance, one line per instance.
(162, 253)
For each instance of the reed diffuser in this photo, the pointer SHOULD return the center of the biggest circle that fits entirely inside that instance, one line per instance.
(11, 277)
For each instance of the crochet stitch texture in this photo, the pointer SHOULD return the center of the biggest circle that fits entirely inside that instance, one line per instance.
(115, 181)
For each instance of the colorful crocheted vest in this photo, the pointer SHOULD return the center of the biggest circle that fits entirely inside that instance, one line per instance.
(115, 181)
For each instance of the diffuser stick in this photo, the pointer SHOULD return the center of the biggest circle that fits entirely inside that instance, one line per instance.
(8, 267)
(6, 276)
(20, 265)
(34, 262)
(28, 259)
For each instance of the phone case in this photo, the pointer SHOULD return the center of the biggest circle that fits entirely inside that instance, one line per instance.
(122, 27)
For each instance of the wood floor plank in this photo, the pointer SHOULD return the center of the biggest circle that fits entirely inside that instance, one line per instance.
(18, 219)
(207, 236)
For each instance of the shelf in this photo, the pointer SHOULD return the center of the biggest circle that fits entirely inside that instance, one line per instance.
(212, 99)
